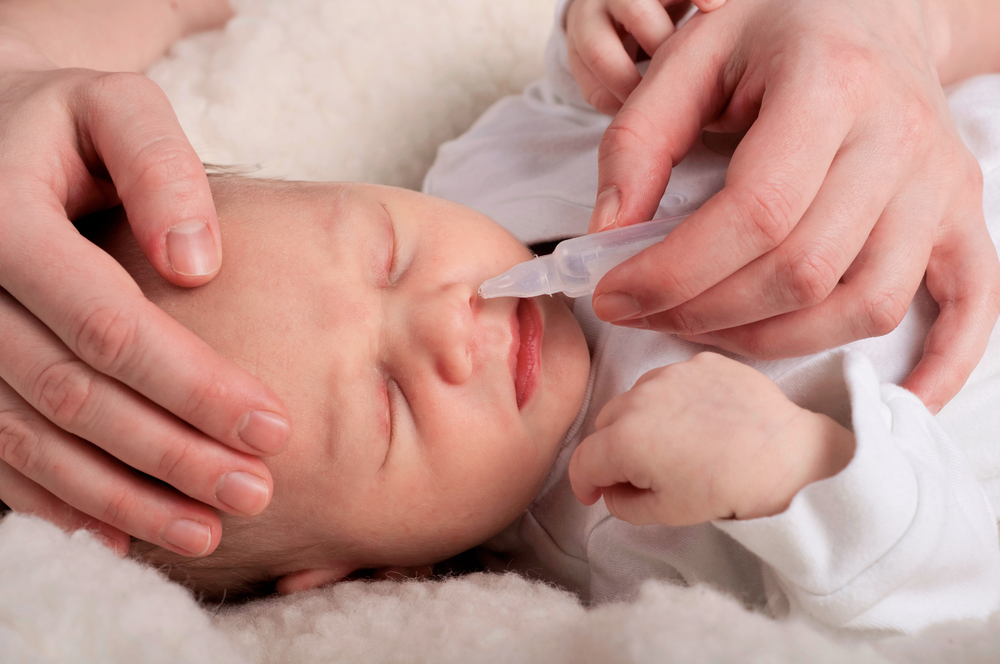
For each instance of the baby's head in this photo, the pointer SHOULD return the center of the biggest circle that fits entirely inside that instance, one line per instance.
(424, 418)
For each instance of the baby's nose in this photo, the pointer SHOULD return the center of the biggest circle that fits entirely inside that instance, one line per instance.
(444, 324)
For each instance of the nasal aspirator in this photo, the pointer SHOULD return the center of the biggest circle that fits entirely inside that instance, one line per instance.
(576, 265)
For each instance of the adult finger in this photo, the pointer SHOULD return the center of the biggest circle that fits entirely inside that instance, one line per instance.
(86, 403)
(657, 125)
(963, 277)
(805, 268)
(94, 307)
(870, 301)
(79, 474)
(133, 131)
(24, 496)
(773, 178)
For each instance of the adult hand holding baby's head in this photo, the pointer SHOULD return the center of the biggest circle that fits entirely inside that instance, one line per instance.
(96, 383)
(851, 181)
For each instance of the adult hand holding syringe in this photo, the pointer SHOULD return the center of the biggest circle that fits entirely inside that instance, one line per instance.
(576, 265)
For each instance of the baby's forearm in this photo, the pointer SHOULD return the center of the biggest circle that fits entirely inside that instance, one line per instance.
(964, 35)
(109, 35)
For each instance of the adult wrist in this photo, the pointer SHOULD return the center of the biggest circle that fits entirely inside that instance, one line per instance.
(962, 36)
(108, 35)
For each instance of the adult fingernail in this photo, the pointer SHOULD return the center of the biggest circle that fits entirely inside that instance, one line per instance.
(605, 209)
(245, 493)
(191, 249)
(707, 339)
(265, 432)
(935, 408)
(189, 536)
(615, 306)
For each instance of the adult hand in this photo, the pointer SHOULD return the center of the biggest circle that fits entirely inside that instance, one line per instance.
(850, 182)
(95, 382)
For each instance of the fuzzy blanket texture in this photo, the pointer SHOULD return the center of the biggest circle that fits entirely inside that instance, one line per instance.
(347, 90)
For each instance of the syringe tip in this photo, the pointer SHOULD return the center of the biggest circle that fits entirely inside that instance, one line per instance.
(497, 286)
(526, 279)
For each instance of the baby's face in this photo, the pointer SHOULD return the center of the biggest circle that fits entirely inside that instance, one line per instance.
(424, 417)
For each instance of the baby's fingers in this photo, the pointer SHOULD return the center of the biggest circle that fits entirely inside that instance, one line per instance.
(598, 463)
(646, 20)
(597, 58)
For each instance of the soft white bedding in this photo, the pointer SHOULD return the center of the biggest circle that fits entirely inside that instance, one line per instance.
(347, 90)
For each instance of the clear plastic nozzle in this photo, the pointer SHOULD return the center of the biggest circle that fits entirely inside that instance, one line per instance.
(576, 265)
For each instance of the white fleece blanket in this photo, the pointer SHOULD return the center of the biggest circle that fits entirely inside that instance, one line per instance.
(348, 90)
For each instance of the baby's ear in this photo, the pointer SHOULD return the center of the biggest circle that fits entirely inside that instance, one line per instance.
(307, 579)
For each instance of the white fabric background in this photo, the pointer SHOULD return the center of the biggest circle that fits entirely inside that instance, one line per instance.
(340, 89)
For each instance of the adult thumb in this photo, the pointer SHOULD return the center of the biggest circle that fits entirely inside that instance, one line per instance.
(656, 128)
(158, 176)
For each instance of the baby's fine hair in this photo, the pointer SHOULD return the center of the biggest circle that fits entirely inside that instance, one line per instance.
(240, 568)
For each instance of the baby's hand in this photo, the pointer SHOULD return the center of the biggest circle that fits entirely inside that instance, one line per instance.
(705, 439)
(604, 38)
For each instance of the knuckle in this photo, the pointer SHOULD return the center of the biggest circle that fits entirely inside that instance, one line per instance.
(602, 100)
(635, 14)
(973, 180)
(597, 53)
(120, 507)
(841, 69)
(204, 398)
(882, 313)
(680, 320)
(64, 391)
(754, 343)
(628, 135)
(916, 126)
(117, 87)
(173, 465)
(20, 443)
(769, 213)
(163, 162)
(809, 278)
(107, 337)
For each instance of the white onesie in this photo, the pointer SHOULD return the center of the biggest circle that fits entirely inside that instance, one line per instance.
(904, 537)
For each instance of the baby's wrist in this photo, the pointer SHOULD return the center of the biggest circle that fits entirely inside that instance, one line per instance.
(810, 448)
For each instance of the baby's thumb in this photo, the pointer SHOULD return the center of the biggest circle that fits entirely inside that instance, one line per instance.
(628, 503)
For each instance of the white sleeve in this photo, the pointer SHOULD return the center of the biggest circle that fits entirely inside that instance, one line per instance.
(902, 538)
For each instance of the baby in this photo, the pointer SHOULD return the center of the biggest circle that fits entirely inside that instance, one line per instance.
(427, 420)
